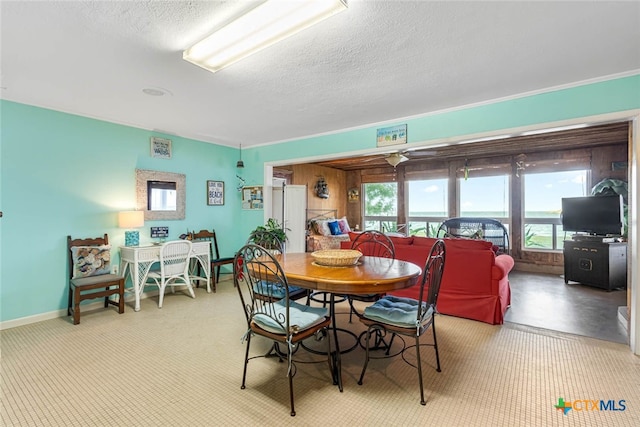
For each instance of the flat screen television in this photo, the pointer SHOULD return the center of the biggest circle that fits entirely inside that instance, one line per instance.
(595, 215)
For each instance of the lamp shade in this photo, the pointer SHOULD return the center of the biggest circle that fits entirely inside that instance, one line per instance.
(131, 219)
(394, 159)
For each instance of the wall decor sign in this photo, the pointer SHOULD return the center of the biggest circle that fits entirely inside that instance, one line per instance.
(160, 148)
(215, 193)
(158, 232)
(393, 135)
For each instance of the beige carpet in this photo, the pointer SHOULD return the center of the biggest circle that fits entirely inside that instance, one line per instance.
(182, 366)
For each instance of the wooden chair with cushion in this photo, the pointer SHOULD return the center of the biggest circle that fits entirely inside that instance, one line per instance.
(216, 260)
(90, 275)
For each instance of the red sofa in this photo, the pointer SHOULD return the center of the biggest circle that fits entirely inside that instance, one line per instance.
(475, 282)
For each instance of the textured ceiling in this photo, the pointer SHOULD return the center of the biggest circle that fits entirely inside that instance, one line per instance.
(378, 61)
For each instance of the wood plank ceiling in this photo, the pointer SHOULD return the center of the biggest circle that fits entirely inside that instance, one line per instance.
(588, 137)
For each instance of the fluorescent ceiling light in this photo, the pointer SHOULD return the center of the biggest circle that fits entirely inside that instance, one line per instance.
(261, 27)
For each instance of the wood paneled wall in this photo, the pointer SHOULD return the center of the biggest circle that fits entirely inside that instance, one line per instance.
(336, 183)
(528, 260)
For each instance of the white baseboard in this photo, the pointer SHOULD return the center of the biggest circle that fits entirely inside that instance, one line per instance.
(94, 305)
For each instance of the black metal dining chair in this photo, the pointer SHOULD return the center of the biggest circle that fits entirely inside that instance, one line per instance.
(275, 246)
(407, 316)
(371, 243)
(283, 321)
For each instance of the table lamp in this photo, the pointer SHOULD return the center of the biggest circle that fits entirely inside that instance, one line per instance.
(131, 219)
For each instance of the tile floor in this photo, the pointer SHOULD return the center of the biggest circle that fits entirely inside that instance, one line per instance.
(544, 301)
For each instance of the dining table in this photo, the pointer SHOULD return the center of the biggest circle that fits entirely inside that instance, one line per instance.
(369, 275)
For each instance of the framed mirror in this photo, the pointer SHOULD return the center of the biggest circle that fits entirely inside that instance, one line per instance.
(161, 195)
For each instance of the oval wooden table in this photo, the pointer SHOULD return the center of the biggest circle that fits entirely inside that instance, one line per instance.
(372, 275)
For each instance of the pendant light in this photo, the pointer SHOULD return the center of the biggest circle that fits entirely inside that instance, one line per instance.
(394, 159)
(240, 163)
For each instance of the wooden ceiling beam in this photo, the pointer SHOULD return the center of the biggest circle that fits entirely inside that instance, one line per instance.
(589, 137)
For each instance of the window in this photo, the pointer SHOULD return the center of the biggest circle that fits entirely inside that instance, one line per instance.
(380, 203)
(485, 196)
(162, 196)
(427, 206)
(543, 193)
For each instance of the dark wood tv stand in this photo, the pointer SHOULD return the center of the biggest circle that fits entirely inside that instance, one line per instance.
(592, 261)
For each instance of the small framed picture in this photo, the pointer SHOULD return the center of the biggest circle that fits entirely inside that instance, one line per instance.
(160, 148)
(353, 195)
(215, 193)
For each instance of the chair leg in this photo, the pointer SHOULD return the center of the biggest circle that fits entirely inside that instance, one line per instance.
(76, 306)
(366, 359)
(70, 301)
(290, 375)
(188, 283)
(246, 361)
(422, 401)
(121, 297)
(327, 336)
(161, 289)
(196, 272)
(390, 344)
(435, 344)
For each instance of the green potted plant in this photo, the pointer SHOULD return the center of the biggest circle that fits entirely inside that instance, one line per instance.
(272, 235)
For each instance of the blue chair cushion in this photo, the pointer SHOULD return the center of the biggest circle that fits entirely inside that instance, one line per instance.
(395, 311)
(273, 290)
(300, 316)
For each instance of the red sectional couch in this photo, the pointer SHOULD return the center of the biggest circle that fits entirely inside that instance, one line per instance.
(475, 282)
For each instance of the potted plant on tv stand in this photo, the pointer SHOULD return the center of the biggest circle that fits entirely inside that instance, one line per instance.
(272, 235)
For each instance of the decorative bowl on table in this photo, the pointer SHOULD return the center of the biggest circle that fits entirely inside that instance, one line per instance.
(336, 257)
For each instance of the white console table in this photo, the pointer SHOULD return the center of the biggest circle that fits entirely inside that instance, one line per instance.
(138, 260)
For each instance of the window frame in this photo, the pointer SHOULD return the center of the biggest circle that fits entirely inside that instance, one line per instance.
(555, 223)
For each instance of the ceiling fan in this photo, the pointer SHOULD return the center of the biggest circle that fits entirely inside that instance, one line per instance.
(397, 157)
(394, 159)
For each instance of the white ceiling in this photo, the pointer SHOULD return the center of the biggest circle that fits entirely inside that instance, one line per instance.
(378, 61)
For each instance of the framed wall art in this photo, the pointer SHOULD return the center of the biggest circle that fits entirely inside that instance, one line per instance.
(392, 135)
(353, 195)
(252, 197)
(215, 193)
(160, 148)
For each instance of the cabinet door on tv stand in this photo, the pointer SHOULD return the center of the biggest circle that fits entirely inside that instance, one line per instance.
(584, 265)
(598, 264)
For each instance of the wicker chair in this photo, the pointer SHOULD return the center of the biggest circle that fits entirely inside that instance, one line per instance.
(488, 229)
(174, 268)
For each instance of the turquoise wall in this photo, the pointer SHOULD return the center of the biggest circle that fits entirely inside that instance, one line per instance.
(62, 174)
(598, 98)
(68, 175)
